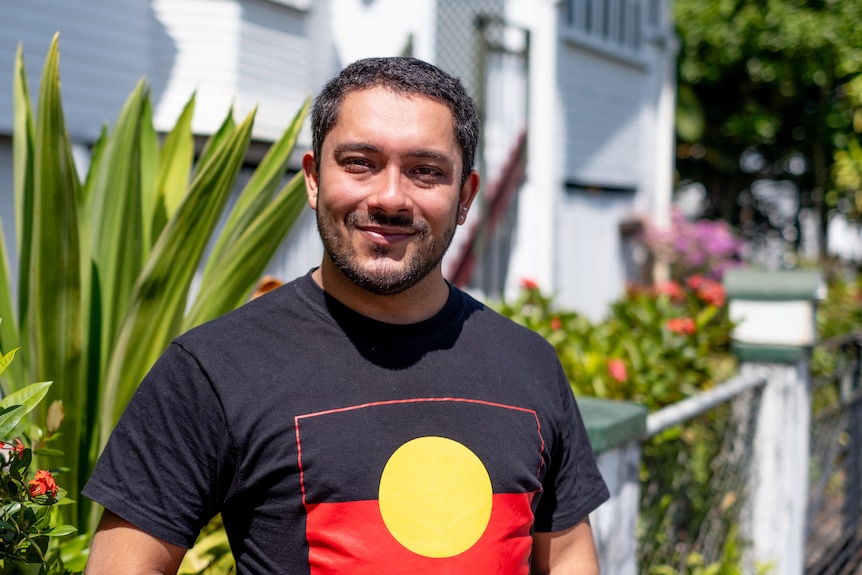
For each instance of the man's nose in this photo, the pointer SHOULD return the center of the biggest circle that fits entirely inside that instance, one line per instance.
(392, 193)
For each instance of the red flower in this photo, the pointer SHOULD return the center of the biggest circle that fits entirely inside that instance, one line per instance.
(694, 282)
(683, 325)
(711, 292)
(529, 284)
(671, 289)
(617, 370)
(17, 448)
(556, 324)
(43, 484)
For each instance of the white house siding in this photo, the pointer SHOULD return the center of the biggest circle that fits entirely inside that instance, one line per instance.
(590, 256)
(104, 51)
(603, 99)
(274, 54)
(200, 58)
(363, 29)
(240, 53)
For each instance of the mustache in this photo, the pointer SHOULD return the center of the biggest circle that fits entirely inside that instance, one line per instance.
(384, 219)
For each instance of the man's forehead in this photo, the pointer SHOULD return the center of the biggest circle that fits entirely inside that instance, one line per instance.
(385, 93)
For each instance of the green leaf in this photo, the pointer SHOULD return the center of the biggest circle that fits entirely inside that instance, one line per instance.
(6, 360)
(174, 170)
(60, 531)
(158, 301)
(22, 152)
(229, 285)
(9, 418)
(29, 396)
(149, 161)
(117, 232)
(8, 329)
(257, 193)
(215, 141)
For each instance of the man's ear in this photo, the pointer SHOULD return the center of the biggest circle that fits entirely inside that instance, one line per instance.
(467, 195)
(312, 179)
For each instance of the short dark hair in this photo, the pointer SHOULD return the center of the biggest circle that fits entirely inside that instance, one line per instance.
(403, 75)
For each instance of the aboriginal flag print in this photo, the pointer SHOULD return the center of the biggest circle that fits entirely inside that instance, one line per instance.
(420, 486)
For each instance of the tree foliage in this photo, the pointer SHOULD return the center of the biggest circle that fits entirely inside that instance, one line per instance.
(770, 89)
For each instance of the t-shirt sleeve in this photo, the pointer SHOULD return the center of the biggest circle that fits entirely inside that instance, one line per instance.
(573, 487)
(168, 462)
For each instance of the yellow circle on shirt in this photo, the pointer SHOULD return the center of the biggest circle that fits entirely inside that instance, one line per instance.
(435, 497)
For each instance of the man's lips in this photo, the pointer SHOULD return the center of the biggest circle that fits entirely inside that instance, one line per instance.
(385, 235)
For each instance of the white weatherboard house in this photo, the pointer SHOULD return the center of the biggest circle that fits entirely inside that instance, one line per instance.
(576, 96)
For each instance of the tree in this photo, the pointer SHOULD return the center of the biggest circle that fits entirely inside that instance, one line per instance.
(766, 91)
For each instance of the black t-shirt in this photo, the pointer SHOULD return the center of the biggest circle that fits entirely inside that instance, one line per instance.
(334, 443)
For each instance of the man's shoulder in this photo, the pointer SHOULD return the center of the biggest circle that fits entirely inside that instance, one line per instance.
(505, 331)
(253, 317)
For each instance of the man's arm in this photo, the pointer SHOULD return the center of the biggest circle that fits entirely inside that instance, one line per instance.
(569, 552)
(120, 548)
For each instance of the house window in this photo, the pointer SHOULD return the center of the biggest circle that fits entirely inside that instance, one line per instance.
(613, 23)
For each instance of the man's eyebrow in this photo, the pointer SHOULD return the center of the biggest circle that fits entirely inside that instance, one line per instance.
(354, 147)
(432, 155)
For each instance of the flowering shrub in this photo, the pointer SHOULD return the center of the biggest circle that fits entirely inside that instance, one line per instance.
(656, 346)
(701, 247)
(28, 525)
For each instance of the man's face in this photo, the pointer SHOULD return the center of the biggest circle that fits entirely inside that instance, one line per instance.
(388, 190)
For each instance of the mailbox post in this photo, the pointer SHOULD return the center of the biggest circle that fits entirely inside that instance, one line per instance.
(775, 331)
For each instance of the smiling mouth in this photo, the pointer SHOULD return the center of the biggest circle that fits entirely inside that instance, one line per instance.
(385, 235)
(384, 229)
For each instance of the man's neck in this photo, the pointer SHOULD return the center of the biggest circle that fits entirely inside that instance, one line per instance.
(417, 303)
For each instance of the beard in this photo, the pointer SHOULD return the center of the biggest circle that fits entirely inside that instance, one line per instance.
(375, 270)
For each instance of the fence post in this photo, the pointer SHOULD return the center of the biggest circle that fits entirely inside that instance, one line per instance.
(775, 315)
(615, 429)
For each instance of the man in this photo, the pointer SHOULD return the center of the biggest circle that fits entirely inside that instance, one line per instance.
(368, 417)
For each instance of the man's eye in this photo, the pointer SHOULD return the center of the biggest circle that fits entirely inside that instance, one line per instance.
(356, 164)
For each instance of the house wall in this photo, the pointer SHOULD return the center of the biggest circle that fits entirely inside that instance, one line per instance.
(269, 54)
(601, 146)
(240, 53)
(104, 51)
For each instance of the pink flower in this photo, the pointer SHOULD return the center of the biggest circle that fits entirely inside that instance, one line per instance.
(694, 282)
(711, 292)
(671, 289)
(43, 484)
(529, 284)
(556, 324)
(617, 370)
(684, 325)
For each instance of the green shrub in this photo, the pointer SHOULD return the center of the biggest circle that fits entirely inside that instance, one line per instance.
(107, 260)
(656, 345)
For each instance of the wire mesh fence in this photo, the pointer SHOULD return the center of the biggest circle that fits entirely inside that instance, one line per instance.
(833, 530)
(695, 483)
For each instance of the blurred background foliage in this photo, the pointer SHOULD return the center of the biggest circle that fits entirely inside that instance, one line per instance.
(770, 90)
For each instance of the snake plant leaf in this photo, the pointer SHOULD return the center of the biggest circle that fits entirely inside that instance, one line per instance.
(258, 192)
(149, 160)
(215, 141)
(8, 330)
(22, 150)
(229, 284)
(54, 282)
(158, 300)
(117, 233)
(175, 165)
(54, 317)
